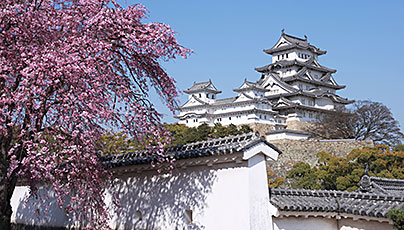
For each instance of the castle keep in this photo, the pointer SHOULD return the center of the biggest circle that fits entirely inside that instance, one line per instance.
(293, 89)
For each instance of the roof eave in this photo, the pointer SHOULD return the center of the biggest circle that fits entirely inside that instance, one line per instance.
(201, 90)
(250, 88)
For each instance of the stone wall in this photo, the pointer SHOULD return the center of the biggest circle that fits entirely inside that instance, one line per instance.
(294, 151)
(297, 125)
(261, 128)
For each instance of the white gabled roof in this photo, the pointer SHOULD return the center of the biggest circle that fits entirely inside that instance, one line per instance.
(194, 101)
(275, 80)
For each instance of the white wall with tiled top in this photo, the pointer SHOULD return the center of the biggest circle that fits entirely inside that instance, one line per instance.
(231, 195)
(329, 223)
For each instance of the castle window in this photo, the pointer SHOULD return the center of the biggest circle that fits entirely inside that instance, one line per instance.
(213, 96)
(200, 95)
(286, 55)
(229, 118)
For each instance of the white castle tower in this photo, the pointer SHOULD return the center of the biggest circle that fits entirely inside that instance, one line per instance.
(293, 89)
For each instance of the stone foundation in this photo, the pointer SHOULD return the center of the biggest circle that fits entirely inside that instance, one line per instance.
(294, 151)
(297, 125)
(261, 128)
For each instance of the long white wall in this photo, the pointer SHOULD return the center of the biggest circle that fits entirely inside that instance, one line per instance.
(322, 223)
(223, 196)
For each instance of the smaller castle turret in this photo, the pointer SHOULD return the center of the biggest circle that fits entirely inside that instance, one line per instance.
(204, 91)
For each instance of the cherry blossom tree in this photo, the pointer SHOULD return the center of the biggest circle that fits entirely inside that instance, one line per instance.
(69, 70)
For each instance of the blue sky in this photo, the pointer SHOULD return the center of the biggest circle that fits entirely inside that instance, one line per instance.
(364, 40)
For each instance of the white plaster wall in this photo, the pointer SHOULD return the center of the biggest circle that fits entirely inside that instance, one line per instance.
(259, 209)
(290, 136)
(324, 103)
(294, 223)
(316, 74)
(31, 211)
(218, 198)
(321, 223)
(204, 96)
(350, 224)
(227, 196)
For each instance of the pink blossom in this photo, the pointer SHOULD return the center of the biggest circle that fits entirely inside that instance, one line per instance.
(69, 71)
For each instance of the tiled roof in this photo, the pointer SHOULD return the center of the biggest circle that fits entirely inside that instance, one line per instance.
(285, 63)
(363, 204)
(323, 81)
(295, 42)
(277, 80)
(316, 93)
(321, 93)
(231, 101)
(201, 86)
(218, 146)
(250, 86)
(379, 185)
(225, 101)
(314, 82)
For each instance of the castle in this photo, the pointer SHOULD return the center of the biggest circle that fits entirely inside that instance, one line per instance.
(293, 89)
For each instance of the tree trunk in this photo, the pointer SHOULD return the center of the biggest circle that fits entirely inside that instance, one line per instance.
(5, 215)
(6, 190)
(5, 206)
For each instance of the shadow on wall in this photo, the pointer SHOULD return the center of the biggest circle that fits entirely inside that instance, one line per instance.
(158, 201)
(146, 201)
(40, 210)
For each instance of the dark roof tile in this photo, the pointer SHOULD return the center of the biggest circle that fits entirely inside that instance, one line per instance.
(363, 204)
(202, 86)
(218, 146)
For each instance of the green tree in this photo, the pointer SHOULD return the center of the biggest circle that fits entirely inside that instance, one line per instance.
(398, 148)
(233, 130)
(178, 133)
(274, 181)
(339, 173)
(114, 143)
(219, 131)
(245, 129)
(204, 132)
(397, 216)
(304, 176)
